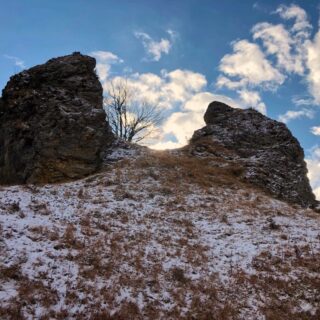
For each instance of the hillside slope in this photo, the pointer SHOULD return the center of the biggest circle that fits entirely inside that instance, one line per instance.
(156, 235)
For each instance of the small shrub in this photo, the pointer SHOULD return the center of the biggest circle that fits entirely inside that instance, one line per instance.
(11, 272)
(273, 225)
(177, 274)
(224, 219)
(14, 207)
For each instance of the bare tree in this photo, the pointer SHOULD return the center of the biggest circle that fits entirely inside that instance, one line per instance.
(130, 119)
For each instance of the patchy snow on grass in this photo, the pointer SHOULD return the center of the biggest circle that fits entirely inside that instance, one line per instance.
(155, 240)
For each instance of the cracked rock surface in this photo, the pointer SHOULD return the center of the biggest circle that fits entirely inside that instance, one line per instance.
(52, 123)
(270, 155)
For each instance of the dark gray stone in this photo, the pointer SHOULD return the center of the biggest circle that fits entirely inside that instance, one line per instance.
(271, 157)
(52, 123)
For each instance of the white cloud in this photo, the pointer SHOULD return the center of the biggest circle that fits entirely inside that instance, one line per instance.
(307, 51)
(249, 66)
(293, 114)
(313, 64)
(199, 102)
(104, 61)
(167, 89)
(301, 25)
(277, 51)
(223, 81)
(165, 145)
(302, 101)
(278, 41)
(316, 191)
(313, 163)
(17, 61)
(182, 124)
(248, 70)
(173, 34)
(181, 90)
(252, 99)
(155, 49)
(106, 56)
(183, 83)
(315, 131)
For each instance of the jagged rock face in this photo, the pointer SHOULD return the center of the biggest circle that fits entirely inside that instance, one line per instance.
(271, 157)
(52, 123)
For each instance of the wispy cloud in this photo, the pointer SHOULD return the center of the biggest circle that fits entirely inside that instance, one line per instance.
(182, 124)
(17, 61)
(252, 99)
(278, 42)
(106, 56)
(315, 131)
(302, 101)
(262, 63)
(301, 24)
(313, 163)
(180, 93)
(275, 52)
(247, 66)
(295, 114)
(313, 65)
(104, 61)
(166, 90)
(155, 49)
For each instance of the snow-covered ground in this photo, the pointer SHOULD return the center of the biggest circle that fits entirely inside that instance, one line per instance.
(156, 237)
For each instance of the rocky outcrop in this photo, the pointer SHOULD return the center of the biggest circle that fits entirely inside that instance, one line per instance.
(52, 123)
(271, 157)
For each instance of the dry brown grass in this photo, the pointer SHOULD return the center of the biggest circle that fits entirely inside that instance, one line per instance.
(29, 294)
(104, 257)
(69, 238)
(160, 250)
(283, 296)
(178, 171)
(11, 272)
(39, 207)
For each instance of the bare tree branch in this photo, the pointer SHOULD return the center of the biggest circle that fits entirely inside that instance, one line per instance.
(130, 120)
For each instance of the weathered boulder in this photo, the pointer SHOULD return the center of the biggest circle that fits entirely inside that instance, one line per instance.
(271, 157)
(52, 123)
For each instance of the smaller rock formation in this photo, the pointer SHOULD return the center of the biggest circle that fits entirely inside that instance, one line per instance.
(271, 157)
(52, 123)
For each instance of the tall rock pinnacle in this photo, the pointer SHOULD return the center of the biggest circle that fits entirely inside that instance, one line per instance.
(52, 123)
(271, 157)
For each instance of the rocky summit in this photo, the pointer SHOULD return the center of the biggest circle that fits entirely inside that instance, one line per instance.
(271, 158)
(154, 234)
(52, 123)
(53, 129)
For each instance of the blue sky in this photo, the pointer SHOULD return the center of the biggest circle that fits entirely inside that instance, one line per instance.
(181, 54)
